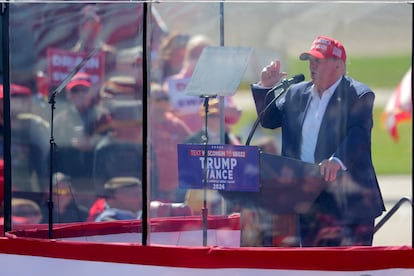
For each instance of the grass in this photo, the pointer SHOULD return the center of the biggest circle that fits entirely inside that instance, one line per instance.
(389, 156)
(378, 72)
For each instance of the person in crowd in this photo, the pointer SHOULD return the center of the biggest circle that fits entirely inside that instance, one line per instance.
(90, 36)
(167, 130)
(65, 206)
(25, 211)
(78, 128)
(194, 48)
(29, 142)
(171, 55)
(119, 88)
(97, 207)
(213, 127)
(85, 36)
(187, 107)
(120, 152)
(123, 199)
(328, 121)
(128, 65)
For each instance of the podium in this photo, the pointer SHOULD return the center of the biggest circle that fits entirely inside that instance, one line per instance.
(288, 187)
(270, 191)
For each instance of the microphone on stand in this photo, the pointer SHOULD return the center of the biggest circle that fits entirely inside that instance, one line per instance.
(284, 84)
(52, 101)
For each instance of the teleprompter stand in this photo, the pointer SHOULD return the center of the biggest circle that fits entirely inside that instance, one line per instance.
(204, 210)
(218, 72)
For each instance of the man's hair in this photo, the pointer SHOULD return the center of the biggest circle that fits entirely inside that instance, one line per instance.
(116, 183)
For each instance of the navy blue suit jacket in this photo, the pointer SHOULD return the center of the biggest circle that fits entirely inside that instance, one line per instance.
(345, 133)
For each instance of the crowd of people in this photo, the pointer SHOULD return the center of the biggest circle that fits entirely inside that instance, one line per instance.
(97, 129)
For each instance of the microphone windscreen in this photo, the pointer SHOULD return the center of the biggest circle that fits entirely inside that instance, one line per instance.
(299, 78)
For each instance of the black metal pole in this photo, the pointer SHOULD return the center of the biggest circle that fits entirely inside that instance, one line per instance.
(221, 98)
(5, 11)
(204, 211)
(51, 167)
(146, 51)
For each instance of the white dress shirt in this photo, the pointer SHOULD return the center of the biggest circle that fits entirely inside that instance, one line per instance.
(312, 122)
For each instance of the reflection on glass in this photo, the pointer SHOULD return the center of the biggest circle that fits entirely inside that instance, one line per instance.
(99, 134)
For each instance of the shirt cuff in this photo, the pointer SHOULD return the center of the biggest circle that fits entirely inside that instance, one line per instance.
(343, 167)
(258, 85)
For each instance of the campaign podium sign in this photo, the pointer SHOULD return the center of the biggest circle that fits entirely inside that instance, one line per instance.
(229, 168)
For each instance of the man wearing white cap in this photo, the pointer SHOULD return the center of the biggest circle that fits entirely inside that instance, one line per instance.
(328, 121)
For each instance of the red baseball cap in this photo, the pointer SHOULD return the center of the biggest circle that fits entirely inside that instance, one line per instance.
(325, 47)
(16, 89)
(82, 79)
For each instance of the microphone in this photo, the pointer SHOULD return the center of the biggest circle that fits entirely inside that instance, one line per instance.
(285, 83)
(295, 79)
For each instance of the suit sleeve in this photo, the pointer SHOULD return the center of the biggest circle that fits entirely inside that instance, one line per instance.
(357, 143)
(271, 117)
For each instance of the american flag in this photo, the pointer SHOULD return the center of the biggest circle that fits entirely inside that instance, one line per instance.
(399, 107)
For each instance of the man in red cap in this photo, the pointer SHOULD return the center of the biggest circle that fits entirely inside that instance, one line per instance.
(328, 121)
(77, 129)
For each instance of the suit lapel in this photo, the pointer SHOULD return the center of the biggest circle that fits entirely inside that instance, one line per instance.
(306, 98)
